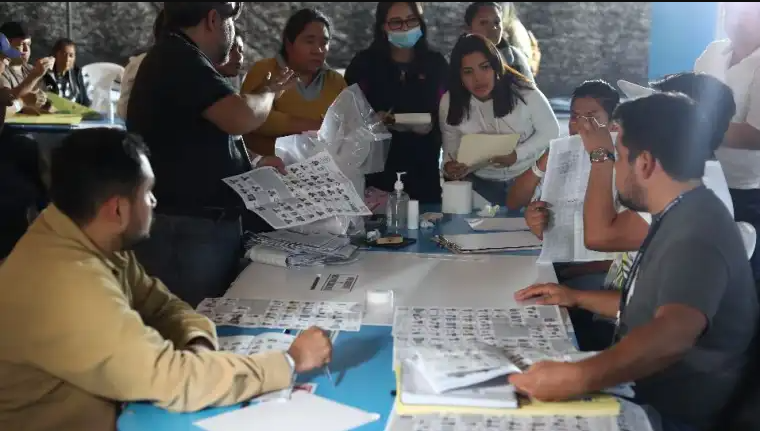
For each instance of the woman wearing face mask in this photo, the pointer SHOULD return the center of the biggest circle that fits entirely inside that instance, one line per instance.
(399, 73)
(485, 18)
(488, 97)
(305, 43)
(65, 79)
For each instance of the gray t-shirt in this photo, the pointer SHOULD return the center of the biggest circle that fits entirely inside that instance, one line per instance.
(697, 258)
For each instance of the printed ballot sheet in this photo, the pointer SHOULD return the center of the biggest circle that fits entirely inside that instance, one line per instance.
(313, 190)
(564, 189)
(251, 345)
(263, 313)
(529, 333)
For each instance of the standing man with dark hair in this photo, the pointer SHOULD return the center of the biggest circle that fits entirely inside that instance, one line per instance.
(86, 328)
(688, 310)
(188, 114)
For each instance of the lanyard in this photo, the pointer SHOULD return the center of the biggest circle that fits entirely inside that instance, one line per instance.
(631, 276)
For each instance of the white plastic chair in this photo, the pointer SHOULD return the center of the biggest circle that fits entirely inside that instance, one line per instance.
(100, 79)
(749, 236)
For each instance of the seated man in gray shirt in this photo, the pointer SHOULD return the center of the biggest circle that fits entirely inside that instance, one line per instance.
(685, 327)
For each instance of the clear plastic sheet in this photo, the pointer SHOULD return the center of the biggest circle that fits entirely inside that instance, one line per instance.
(357, 140)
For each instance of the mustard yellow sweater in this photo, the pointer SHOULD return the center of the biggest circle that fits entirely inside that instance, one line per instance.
(290, 104)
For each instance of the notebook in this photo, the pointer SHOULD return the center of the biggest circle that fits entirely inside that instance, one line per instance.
(477, 149)
(489, 242)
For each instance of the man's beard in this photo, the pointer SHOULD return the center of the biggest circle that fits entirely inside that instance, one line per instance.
(636, 200)
(134, 236)
(225, 46)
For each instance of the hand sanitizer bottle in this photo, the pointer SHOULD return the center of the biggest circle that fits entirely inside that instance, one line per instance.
(397, 207)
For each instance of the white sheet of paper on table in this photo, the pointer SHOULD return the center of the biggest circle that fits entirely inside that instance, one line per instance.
(502, 224)
(476, 149)
(303, 412)
(413, 119)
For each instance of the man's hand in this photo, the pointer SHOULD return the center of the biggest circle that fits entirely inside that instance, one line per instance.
(42, 66)
(537, 218)
(550, 381)
(549, 294)
(595, 135)
(504, 161)
(455, 170)
(311, 349)
(31, 110)
(199, 344)
(274, 162)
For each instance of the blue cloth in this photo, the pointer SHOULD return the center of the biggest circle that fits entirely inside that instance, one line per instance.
(196, 258)
(747, 209)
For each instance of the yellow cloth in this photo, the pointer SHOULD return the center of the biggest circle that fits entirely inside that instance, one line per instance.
(84, 332)
(290, 104)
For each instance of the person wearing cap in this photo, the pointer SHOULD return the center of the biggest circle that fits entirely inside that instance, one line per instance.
(736, 61)
(189, 114)
(25, 79)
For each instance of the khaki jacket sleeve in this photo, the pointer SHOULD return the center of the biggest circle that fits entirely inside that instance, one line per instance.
(88, 335)
(173, 318)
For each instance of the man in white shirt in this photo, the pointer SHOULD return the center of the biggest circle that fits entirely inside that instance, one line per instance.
(736, 61)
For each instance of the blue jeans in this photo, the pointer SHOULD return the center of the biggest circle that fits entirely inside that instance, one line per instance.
(196, 258)
(747, 209)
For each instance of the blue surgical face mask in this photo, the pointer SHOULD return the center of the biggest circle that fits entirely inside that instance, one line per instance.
(405, 39)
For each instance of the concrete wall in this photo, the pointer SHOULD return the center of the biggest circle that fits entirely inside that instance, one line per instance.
(580, 40)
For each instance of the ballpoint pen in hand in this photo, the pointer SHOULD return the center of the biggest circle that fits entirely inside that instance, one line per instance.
(329, 375)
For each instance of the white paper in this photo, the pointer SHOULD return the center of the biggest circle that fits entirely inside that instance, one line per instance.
(258, 313)
(251, 345)
(413, 119)
(339, 282)
(505, 224)
(564, 189)
(519, 330)
(513, 423)
(313, 190)
(304, 411)
(475, 149)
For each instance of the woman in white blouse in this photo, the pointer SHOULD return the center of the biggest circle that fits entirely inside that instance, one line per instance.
(487, 97)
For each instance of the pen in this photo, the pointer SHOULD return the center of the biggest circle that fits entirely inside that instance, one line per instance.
(316, 282)
(329, 375)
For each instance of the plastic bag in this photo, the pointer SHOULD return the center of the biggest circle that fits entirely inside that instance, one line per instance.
(356, 139)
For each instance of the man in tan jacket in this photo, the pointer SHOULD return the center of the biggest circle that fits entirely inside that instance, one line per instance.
(84, 328)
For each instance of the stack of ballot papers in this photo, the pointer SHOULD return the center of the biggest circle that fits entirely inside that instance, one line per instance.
(471, 377)
(290, 249)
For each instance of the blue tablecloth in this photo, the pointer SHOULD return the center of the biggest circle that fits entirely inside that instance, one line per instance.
(449, 225)
(361, 360)
(361, 368)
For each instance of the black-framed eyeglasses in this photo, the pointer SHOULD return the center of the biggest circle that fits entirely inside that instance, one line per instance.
(398, 24)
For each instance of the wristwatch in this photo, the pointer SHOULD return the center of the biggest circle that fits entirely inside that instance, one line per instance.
(601, 155)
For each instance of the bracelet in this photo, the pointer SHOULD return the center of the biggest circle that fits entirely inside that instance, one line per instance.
(536, 171)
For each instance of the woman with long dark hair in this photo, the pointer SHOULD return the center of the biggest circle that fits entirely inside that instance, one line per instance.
(305, 44)
(486, 18)
(400, 73)
(488, 97)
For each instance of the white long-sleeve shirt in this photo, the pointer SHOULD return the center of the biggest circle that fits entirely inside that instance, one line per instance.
(533, 120)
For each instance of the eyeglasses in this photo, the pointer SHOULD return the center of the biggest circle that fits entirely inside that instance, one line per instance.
(398, 24)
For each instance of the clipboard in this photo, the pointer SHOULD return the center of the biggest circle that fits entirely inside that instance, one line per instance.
(489, 242)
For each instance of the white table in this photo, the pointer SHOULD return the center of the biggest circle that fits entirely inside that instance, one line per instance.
(423, 280)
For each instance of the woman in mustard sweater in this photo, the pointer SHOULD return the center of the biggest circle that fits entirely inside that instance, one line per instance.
(306, 41)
